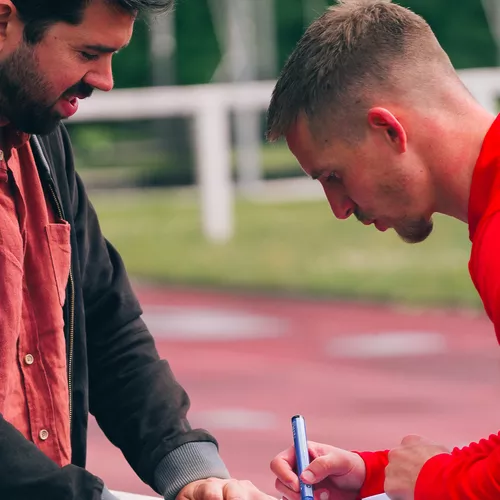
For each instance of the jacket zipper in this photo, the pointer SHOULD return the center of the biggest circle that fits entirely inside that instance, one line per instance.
(71, 319)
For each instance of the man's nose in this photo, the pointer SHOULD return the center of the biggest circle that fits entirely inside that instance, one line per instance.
(101, 77)
(342, 206)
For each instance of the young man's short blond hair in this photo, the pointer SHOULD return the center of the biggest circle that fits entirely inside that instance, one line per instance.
(356, 49)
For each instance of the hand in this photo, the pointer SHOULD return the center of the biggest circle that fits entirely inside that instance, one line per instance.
(405, 463)
(221, 489)
(337, 474)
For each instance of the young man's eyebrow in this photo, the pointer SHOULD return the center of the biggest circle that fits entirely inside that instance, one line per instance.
(104, 49)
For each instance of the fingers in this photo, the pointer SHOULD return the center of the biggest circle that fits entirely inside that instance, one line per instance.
(233, 490)
(204, 490)
(336, 463)
(283, 467)
(321, 492)
(284, 464)
(286, 492)
(222, 489)
(242, 490)
(318, 449)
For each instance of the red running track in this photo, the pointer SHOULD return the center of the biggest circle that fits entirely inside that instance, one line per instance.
(437, 374)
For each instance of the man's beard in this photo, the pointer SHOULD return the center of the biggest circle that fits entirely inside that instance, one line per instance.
(408, 229)
(414, 230)
(25, 95)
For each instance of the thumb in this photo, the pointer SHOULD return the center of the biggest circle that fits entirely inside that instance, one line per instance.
(333, 464)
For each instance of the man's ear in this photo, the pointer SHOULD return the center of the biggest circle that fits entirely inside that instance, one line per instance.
(383, 120)
(7, 16)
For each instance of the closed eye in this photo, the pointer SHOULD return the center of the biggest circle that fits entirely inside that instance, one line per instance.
(89, 57)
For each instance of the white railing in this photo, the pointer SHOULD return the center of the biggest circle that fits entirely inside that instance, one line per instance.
(210, 106)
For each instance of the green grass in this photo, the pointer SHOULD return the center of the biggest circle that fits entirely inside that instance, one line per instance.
(293, 248)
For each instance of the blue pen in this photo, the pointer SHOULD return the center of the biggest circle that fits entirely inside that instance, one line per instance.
(302, 454)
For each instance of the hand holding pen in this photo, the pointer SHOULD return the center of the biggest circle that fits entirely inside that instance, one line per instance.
(334, 474)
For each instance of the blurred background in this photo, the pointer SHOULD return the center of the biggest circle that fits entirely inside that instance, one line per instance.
(262, 302)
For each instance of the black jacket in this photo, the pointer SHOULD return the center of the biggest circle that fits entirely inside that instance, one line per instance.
(113, 366)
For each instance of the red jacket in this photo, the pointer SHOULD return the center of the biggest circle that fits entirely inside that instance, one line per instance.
(472, 472)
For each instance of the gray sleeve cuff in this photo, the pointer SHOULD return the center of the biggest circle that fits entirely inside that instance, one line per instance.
(107, 495)
(190, 462)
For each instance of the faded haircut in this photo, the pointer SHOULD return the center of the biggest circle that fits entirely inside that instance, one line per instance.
(356, 48)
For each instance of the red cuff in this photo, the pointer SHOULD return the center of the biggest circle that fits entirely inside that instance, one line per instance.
(375, 462)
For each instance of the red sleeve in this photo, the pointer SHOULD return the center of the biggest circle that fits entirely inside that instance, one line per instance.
(471, 473)
(375, 462)
(481, 449)
(484, 267)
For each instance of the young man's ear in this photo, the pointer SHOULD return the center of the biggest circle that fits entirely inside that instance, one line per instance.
(383, 120)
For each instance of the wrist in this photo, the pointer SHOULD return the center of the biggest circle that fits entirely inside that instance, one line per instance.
(375, 464)
(190, 462)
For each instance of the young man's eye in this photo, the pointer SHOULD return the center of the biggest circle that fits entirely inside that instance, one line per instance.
(89, 57)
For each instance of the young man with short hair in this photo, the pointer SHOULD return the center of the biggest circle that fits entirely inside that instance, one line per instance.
(371, 106)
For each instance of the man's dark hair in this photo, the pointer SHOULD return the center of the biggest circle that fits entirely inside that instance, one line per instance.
(39, 15)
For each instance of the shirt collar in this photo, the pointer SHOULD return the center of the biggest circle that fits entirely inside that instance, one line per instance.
(484, 176)
(13, 138)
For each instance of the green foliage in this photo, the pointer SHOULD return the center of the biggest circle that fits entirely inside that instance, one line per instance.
(131, 66)
(198, 52)
(290, 27)
(460, 26)
(156, 153)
